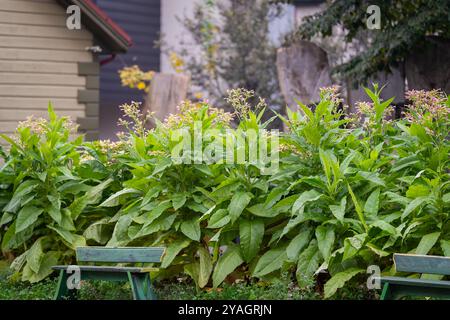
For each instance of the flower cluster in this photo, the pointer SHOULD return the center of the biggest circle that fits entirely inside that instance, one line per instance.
(426, 106)
(189, 112)
(365, 112)
(240, 98)
(105, 146)
(176, 62)
(134, 120)
(134, 77)
(331, 94)
(40, 126)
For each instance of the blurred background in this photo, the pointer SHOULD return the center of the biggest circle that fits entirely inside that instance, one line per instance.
(159, 52)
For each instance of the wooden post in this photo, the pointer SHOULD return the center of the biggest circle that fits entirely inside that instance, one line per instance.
(302, 70)
(166, 93)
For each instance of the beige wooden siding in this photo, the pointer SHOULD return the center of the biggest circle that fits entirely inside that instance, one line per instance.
(39, 62)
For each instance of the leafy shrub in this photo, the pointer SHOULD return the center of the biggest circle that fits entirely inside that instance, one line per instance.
(366, 192)
(53, 192)
(349, 192)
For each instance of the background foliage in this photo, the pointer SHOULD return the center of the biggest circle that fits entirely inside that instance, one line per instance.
(405, 26)
(231, 49)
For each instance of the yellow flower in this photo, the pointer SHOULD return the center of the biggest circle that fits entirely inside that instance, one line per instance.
(198, 95)
(134, 77)
(176, 62)
(141, 85)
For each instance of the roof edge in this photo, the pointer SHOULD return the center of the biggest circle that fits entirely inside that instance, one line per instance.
(101, 25)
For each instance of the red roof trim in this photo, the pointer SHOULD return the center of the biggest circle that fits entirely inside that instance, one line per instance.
(102, 14)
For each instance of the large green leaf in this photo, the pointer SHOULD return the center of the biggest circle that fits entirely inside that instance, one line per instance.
(417, 190)
(26, 217)
(339, 210)
(99, 231)
(120, 233)
(155, 213)
(251, 234)
(427, 243)
(178, 200)
(162, 164)
(308, 263)
(260, 210)
(325, 239)
(372, 177)
(413, 205)
(339, 280)
(191, 228)
(226, 264)
(193, 270)
(173, 250)
(151, 193)
(298, 244)
(353, 244)
(307, 196)
(22, 190)
(271, 260)
(445, 246)
(274, 196)
(92, 196)
(446, 197)
(372, 203)
(13, 240)
(54, 209)
(383, 225)
(70, 239)
(238, 203)
(358, 208)
(219, 219)
(205, 267)
(35, 255)
(114, 200)
(7, 217)
(49, 260)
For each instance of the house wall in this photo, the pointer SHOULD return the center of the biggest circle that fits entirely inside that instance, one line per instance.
(39, 62)
(172, 30)
(174, 33)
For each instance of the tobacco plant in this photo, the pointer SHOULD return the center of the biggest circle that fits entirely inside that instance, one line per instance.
(52, 196)
(349, 192)
(368, 191)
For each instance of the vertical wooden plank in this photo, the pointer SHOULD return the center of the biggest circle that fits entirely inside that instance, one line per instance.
(166, 93)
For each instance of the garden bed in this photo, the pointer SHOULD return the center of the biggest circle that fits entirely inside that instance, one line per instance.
(344, 193)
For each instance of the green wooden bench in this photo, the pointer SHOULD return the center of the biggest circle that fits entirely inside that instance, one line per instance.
(399, 287)
(139, 277)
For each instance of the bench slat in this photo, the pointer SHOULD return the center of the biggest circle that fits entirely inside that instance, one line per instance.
(122, 254)
(416, 282)
(109, 269)
(422, 264)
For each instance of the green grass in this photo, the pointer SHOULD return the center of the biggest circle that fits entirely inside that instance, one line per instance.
(101, 290)
(174, 289)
